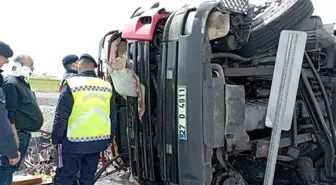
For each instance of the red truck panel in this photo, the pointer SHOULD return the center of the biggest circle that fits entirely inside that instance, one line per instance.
(137, 30)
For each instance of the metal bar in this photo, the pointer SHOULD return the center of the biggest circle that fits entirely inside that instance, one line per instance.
(129, 120)
(174, 120)
(284, 142)
(265, 71)
(148, 114)
(128, 117)
(251, 71)
(283, 92)
(295, 129)
(142, 76)
(161, 111)
(168, 105)
(136, 126)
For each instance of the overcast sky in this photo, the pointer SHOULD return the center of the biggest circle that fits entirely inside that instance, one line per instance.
(50, 29)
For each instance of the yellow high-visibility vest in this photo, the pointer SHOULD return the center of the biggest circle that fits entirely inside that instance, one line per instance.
(90, 116)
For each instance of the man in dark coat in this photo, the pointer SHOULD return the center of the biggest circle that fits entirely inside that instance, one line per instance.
(23, 112)
(8, 146)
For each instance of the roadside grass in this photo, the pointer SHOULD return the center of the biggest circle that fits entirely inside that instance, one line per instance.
(44, 84)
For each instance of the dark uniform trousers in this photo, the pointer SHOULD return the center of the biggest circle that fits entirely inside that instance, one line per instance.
(80, 159)
(7, 170)
(85, 164)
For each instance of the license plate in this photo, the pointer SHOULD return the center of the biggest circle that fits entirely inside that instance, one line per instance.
(182, 112)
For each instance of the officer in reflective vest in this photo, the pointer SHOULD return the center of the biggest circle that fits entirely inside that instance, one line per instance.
(84, 123)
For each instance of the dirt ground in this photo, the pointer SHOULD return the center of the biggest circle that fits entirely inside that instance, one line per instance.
(48, 103)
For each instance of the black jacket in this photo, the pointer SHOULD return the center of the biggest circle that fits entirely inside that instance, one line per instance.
(21, 104)
(7, 141)
(63, 112)
(69, 73)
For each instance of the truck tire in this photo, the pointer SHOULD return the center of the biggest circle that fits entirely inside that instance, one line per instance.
(265, 36)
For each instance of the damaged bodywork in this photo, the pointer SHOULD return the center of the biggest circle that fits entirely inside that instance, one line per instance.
(202, 89)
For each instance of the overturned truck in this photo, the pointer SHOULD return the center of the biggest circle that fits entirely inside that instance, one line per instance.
(196, 97)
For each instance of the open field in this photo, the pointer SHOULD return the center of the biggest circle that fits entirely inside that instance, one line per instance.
(44, 84)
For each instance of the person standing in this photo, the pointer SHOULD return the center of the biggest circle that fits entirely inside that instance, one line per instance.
(84, 123)
(23, 112)
(8, 146)
(70, 64)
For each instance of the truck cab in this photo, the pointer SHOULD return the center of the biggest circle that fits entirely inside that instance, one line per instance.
(194, 94)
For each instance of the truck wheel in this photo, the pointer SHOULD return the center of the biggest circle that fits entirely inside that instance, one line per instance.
(266, 27)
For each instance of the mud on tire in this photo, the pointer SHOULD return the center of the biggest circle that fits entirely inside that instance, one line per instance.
(267, 36)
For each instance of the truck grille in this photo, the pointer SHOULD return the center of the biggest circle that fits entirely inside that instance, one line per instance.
(140, 133)
(167, 114)
(153, 141)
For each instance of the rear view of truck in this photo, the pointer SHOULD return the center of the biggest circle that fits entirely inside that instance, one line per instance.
(197, 98)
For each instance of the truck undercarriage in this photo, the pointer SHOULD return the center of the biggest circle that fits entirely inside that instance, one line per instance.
(194, 89)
